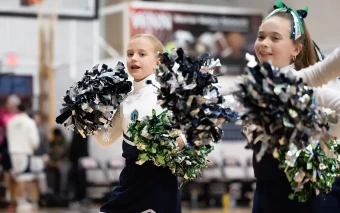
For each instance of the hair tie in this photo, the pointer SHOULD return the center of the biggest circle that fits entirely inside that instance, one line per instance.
(297, 18)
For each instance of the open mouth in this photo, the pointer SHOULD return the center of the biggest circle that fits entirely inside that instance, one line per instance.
(135, 67)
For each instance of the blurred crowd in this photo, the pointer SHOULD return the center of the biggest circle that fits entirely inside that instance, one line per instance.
(29, 154)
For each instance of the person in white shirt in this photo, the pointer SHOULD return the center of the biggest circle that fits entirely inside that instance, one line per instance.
(23, 139)
(284, 40)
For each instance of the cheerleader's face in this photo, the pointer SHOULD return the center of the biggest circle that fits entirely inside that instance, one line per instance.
(274, 44)
(142, 59)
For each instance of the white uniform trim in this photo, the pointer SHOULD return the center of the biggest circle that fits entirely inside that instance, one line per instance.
(127, 140)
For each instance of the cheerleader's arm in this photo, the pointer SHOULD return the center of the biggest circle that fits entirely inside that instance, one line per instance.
(106, 137)
(322, 72)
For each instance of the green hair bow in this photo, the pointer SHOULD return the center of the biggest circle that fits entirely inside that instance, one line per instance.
(297, 16)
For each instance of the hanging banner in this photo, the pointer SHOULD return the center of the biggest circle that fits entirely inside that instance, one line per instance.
(227, 36)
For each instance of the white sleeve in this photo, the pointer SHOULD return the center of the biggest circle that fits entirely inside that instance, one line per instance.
(106, 137)
(323, 71)
(330, 98)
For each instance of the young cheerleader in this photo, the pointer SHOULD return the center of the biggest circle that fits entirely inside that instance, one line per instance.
(288, 45)
(146, 188)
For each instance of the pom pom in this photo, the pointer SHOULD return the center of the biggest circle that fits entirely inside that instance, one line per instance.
(279, 110)
(90, 104)
(187, 89)
(190, 162)
(155, 139)
(312, 171)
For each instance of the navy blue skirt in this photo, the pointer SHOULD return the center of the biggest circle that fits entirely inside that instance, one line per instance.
(146, 188)
(273, 188)
(272, 196)
(331, 202)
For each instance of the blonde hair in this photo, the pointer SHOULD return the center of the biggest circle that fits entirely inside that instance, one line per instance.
(158, 46)
(307, 56)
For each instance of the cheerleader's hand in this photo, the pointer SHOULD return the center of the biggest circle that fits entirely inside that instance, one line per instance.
(181, 140)
(180, 143)
(324, 144)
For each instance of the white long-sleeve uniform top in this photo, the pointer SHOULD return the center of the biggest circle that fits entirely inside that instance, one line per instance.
(22, 135)
(321, 74)
(139, 103)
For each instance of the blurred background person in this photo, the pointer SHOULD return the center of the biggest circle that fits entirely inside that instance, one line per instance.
(23, 140)
(41, 156)
(6, 114)
(77, 175)
(58, 162)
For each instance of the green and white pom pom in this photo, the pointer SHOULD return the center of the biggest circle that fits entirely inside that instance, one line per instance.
(190, 161)
(155, 139)
(310, 171)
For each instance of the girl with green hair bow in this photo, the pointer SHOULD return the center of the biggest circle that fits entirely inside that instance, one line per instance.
(284, 41)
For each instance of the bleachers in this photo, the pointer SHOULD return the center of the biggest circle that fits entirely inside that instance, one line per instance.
(231, 176)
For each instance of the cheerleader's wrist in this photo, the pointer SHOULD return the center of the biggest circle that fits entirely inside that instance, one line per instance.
(185, 141)
(181, 142)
